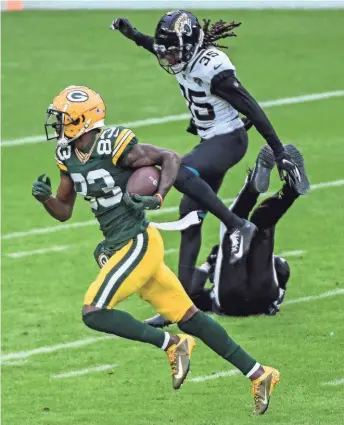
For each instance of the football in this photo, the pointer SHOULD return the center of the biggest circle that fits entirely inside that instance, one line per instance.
(144, 181)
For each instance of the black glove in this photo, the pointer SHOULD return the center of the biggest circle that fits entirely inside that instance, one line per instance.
(140, 203)
(192, 129)
(286, 164)
(247, 123)
(41, 189)
(123, 26)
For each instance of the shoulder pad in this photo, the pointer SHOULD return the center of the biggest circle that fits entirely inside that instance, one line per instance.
(120, 139)
(61, 155)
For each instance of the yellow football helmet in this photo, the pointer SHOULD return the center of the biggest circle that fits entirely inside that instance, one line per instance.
(74, 111)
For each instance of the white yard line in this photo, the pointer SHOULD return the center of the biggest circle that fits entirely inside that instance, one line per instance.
(327, 294)
(217, 375)
(171, 118)
(55, 248)
(295, 253)
(68, 226)
(53, 348)
(335, 382)
(16, 363)
(88, 341)
(171, 251)
(60, 248)
(81, 372)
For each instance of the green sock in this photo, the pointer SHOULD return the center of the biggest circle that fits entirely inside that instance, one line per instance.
(124, 325)
(216, 338)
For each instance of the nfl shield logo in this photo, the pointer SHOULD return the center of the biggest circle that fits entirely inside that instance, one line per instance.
(198, 81)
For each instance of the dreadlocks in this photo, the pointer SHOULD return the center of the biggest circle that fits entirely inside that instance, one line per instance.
(220, 29)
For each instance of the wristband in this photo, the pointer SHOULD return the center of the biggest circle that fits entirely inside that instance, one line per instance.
(161, 199)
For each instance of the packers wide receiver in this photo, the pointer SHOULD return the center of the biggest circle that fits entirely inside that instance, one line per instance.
(96, 162)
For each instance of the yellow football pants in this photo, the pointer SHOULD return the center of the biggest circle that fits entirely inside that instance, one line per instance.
(139, 268)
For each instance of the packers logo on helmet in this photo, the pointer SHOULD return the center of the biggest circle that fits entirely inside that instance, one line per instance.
(77, 96)
(74, 111)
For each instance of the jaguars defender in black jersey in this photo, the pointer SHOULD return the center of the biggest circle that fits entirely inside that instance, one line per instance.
(96, 162)
(214, 95)
(257, 283)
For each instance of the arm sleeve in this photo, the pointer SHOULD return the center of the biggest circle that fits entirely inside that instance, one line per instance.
(226, 86)
(145, 41)
(123, 144)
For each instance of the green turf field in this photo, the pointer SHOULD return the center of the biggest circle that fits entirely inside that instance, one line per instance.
(278, 55)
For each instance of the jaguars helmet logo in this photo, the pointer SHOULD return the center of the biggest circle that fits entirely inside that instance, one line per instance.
(183, 25)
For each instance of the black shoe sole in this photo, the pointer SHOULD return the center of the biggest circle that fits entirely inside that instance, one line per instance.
(159, 323)
(301, 187)
(260, 178)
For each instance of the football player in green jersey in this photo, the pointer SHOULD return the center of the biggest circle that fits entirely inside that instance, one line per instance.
(96, 162)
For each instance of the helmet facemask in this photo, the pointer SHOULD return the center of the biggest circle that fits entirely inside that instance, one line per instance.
(55, 125)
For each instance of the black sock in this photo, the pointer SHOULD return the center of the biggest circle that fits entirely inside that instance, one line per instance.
(216, 338)
(245, 201)
(122, 324)
(199, 190)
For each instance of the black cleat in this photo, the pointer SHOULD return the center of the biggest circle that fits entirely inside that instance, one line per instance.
(260, 176)
(240, 241)
(158, 321)
(302, 186)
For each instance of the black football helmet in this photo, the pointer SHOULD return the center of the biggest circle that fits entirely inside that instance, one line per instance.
(178, 37)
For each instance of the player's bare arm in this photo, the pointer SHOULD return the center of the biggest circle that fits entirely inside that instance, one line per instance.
(143, 155)
(61, 206)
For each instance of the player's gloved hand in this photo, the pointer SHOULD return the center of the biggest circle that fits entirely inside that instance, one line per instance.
(124, 26)
(247, 123)
(41, 189)
(286, 165)
(140, 203)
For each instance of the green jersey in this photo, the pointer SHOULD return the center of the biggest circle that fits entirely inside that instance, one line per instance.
(99, 176)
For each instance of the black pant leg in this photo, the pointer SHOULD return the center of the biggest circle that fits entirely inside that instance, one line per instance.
(245, 201)
(211, 159)
(272, 209)
(191, 239)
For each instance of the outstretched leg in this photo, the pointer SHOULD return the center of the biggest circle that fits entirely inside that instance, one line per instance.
(168, 297)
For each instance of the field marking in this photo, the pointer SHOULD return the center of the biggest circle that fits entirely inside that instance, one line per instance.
(88, 341)
(16, 363)
(59, 227)
(335, 382)
(55, 248)
(172, 118)
(295, 253)
(327, 294)
(81, 372)
(217, 375)
(171, 251)
(53, 348)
